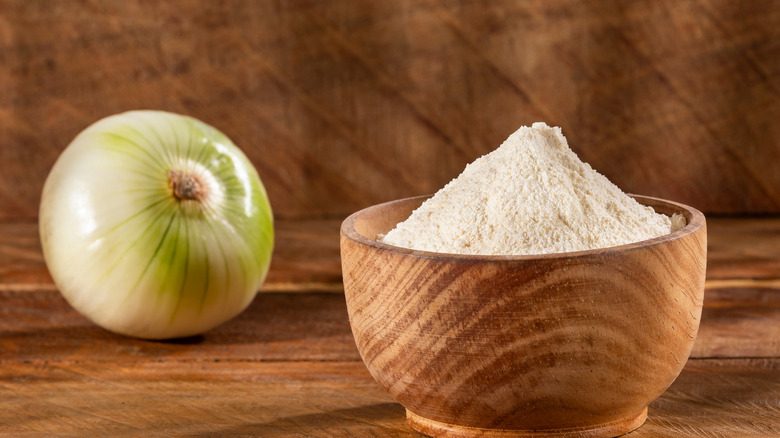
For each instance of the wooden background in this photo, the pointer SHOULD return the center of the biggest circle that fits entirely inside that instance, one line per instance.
(344, 104)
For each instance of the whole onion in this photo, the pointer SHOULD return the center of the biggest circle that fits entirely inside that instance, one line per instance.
(155, 225)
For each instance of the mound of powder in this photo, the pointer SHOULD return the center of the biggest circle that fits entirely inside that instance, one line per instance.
(532, 195)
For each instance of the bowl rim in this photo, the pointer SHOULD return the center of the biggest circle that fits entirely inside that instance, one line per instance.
(697, 222)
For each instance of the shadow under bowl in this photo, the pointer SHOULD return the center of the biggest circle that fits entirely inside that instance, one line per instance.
(558, 345)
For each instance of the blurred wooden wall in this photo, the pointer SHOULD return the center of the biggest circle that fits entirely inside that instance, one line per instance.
(343, 104)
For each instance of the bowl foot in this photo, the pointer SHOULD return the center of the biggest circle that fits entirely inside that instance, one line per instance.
(611, 429)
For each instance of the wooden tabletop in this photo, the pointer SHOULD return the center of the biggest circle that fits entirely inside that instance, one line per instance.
(288, 365)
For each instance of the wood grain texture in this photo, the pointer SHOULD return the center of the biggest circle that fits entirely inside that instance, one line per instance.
(725, 398)
(39, 326)
(281, 400)
(739, 323)
(743, 249)
(591, 338)
(718, 398)
(196, 398)
(345, 104)
(305, 257)
(741, 253)
(21, 257)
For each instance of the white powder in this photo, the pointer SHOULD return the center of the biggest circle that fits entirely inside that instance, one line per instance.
(532, 195)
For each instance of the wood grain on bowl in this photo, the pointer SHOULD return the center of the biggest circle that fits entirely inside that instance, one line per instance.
(574, 344)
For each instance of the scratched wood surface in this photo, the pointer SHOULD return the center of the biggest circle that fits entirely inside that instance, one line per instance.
(313, 326)
(344, 104)
(716, 397)
(742, 252)
(288, 366)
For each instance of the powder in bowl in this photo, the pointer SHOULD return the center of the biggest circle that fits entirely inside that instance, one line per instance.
(532, 195)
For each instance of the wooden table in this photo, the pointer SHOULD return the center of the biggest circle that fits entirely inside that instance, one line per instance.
(288, 365)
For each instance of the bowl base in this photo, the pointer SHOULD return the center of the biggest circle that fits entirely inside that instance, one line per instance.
(610, 429)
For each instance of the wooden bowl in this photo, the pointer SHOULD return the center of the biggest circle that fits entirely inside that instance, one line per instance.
(559, 345)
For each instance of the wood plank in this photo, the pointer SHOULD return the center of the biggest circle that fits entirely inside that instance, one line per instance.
(21, 257)
(713, 397)
(306, 255)
(719, 398)
(197, 398)
(344, 104)
(739, 323)
(41, 327)
(743, 248)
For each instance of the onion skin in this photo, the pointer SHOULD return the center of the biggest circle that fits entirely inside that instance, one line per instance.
(155, 225)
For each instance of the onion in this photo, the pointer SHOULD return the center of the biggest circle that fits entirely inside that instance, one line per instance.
(155, 225)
